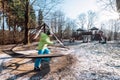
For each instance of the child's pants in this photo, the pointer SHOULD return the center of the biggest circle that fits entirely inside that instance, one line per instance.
(39, 60)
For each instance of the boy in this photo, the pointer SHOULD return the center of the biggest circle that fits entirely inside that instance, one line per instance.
(42, 49)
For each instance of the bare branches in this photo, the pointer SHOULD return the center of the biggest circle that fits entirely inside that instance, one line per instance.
(88, 19)
(82, 19)
(33, 2)
(47, 5)
(49, 10)
(109, 5)
(113, 4)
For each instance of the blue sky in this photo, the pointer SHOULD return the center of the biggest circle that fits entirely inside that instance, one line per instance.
(72, 8)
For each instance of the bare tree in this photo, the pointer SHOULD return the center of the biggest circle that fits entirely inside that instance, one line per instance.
(109, 5)
(113, 29)
(91, 19)
(40, 17)
(63, 27)
(70, 28)
(87, 19)
(3, 21)
(46, 6)
(118, 5)
(82, 20)
(54, 21)
(61, 21)
(116, 29)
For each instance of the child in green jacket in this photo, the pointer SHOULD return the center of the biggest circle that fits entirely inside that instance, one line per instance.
(42, 49)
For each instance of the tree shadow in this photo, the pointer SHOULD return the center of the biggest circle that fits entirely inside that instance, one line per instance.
(2, 66)
(16, 65)
(12, 53)
(37, 76)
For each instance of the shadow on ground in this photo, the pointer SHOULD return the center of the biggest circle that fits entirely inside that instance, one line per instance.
(15, 65)
(31, 74)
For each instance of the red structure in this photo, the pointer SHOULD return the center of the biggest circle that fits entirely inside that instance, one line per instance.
(94, 34)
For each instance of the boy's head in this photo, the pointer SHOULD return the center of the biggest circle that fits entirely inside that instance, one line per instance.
(48, 33)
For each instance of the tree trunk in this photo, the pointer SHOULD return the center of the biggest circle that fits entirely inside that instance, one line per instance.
(55, 26)
(115, 32)
(3, 26)
(26, 35)
(14, 32)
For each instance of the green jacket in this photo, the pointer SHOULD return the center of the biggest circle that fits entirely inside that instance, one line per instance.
(44, 41)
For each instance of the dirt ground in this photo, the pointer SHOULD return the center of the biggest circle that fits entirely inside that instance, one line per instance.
(85, 61)
(22, 68)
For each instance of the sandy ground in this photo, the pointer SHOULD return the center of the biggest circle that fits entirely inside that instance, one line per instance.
(86, 61)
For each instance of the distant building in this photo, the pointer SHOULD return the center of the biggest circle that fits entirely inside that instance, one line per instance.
(79, 34)
(94, 28)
